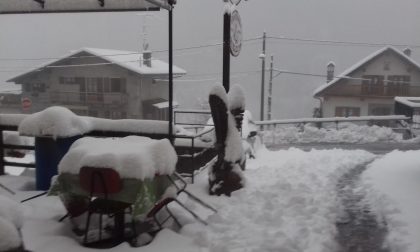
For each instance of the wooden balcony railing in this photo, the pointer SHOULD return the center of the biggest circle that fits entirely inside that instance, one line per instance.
(73, 98)
(375, 90)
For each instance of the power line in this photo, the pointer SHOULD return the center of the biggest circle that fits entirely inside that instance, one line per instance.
(339, 77)
(123, 54)
(337, 42)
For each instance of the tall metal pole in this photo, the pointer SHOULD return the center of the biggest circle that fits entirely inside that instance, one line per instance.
(171, 83)
(262, 78)
(226, 50)
(270, 89)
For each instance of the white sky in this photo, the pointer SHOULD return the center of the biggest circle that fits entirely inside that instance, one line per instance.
(200, 22)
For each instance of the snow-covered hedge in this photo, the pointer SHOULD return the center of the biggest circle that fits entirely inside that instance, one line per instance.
(347, 133)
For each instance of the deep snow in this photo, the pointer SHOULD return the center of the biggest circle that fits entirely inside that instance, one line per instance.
(288, 204)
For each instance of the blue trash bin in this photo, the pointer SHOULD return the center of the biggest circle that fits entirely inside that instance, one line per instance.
(48, 153)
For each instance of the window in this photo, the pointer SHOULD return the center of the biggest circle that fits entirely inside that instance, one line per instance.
(93, 113)
(27, 87)
(106, 85)
(91, 86)
(71, 80)
(117, 114)
(373, 85)
(347, 111)
(34, 87)
(117, 85)
(380, 109)
(398, 85)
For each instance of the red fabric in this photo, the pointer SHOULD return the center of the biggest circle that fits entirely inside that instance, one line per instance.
(104, 180)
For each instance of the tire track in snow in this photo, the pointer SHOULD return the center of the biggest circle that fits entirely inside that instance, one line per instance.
(358, 228)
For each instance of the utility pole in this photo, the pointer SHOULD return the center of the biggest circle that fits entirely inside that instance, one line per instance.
(262, 57)
(270, 89)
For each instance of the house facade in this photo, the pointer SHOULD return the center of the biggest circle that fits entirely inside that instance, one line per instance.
(369, 87)
(100, 83)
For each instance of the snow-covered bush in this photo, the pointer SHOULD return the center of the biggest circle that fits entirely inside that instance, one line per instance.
(346, 133)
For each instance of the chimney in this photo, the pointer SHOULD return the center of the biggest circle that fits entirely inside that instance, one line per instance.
(407, 52)
(147, 58)
(330, 71)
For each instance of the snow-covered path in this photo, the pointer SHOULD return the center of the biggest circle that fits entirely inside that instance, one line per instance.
(290, 203)
(359, 228)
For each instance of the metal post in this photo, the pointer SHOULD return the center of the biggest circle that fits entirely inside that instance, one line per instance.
(170, 130)
(1, 153)
(262, 78)
(270, 89)
(226, 51)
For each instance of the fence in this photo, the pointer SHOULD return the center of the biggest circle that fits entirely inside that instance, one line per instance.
(192, 152)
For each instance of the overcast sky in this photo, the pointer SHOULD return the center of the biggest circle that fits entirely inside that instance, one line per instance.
(199, 22)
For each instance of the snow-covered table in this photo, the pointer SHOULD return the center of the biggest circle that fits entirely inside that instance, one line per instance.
(142, 163)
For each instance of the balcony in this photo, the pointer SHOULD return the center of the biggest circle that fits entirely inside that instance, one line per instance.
(76, 98)
(379, 90)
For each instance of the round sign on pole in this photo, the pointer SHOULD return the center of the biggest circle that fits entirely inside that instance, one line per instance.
(235, 2)
(26, 103)
(235, 33)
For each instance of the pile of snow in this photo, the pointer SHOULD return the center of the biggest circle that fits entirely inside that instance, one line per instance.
(11, 119)
(129, 125)
(236, 97)
(13, 137)
(54, 121)
(248, 125)
(11, 219)
(132, 156)
(290, 203)
(233, 142)
(393, 185)
(347, 133)
(61, 122)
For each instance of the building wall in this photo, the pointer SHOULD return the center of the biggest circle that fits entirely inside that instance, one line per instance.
(126, 104)
(387, 64)
(330, 104)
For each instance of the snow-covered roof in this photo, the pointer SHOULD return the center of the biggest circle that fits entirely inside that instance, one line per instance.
(165, 104)
(126, 59)
(9, 88)
(413, 102)
(362, 62)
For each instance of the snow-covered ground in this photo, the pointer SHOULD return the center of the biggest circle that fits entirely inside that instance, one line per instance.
(289, 204)
(393, 186)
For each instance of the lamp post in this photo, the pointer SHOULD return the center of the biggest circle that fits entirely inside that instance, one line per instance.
(262, 57)
(170, 72)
